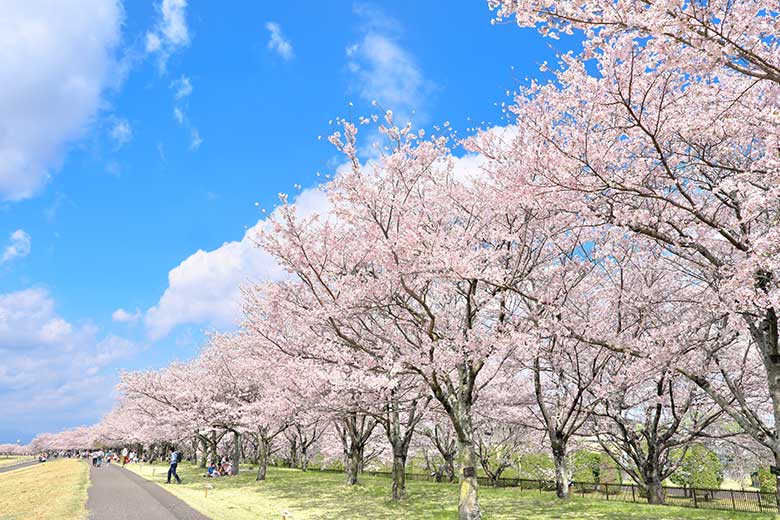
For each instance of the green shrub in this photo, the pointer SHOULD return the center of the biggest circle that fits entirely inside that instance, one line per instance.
(537, 466)
(766, 481)
(587, 466)
(609, 471)
(700, 468)
(594, 467)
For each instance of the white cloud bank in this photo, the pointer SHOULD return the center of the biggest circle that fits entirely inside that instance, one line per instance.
(52, 367)
(56, 59)
(204, 288)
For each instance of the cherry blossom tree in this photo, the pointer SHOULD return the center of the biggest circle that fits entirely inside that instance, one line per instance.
(650, 422)
(440, 435)
(498, 447)
(16, 449)
(420, 288)
(674, 141)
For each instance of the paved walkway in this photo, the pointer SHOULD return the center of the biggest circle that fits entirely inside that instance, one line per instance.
(119, 494)
(17, 466)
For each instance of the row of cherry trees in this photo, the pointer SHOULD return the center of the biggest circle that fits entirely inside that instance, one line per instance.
(429, 314)
(15, 449)
(603, 272)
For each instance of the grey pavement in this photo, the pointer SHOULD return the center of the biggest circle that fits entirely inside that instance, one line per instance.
(18, 466)
(119, 494)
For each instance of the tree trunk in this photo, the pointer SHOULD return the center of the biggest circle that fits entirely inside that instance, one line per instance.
(213, 448)
(304, 458)
(766, 337)
(653, 484)
(655, 492)
(399, 434)
(236, 454)
(777, 480)
(262, 462)
(468, 504)
(562, 477)
(354, 465)
(293, 451)
(202, 460)
(399, 475)
(449, 468)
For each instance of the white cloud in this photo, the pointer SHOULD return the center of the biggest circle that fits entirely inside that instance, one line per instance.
(182, 86)
(204, 288)
(170, 33)
(278, 43)
(153, 42)
(382, 70)
(21, 245)
(195, 139)
(122, 316)
(111, 348)
(121, 132)
(54, 67)
(50, 364)
(178, 115)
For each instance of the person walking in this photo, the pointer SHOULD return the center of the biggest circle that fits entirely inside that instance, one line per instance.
(174, 462)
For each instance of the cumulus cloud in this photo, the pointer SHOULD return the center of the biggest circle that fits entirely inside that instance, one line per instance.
(382, 70)
(122, 316)
(204, 288)
(278, 43)
(51, 366)
(170, 33)
(20, 245)
(52, 78)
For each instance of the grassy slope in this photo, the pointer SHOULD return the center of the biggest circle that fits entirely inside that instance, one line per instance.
(316, 495)
(10, 460)
(50, 491)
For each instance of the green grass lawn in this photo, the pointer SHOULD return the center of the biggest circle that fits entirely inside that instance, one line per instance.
(54, 490)
(316, 495)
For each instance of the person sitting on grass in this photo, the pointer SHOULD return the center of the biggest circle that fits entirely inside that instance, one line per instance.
(213, 471)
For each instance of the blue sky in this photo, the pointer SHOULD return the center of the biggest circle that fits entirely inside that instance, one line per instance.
(139, 142)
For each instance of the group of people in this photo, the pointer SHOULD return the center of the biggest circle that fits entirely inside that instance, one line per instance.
(97, 458)
(128, 456)
(224, 468)
(220, 470)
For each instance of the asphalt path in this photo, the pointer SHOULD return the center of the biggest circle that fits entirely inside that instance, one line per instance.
(119, 494)
(18, 466)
